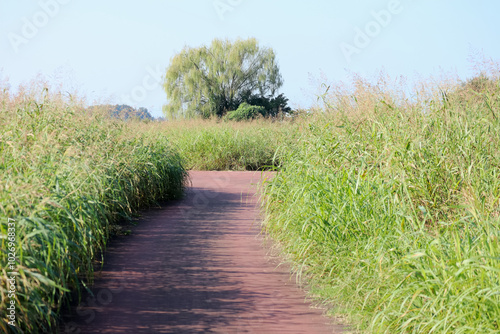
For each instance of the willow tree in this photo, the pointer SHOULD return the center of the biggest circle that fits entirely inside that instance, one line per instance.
(211, 80)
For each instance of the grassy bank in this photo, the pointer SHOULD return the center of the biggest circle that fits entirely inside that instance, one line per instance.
(219, 145)
(66, 175)
(390, 208)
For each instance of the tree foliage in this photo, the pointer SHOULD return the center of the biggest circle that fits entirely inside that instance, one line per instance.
(212, 80)
(272, 105)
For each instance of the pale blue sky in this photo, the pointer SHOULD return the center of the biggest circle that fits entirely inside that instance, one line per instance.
(116, 50)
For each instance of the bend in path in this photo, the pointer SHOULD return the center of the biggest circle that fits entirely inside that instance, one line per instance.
(197, 266)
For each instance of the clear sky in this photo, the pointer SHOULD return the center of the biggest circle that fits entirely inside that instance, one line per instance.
(117, 50)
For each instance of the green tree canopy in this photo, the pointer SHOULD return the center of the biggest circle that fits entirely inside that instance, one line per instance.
(212, 80)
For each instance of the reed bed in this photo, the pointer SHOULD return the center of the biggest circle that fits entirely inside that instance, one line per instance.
(389, 207)
(220, 145)
(66, 176)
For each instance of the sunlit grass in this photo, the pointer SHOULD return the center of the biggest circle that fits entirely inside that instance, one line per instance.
(391, 210)
(219, 145)
(66, 175)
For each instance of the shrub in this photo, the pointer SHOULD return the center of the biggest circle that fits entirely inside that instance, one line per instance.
(245, 112)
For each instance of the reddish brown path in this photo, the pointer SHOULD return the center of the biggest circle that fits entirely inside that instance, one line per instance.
(197, 266)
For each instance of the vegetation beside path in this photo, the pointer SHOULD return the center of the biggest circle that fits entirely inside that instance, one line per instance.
(66, 176)
(390, 208)
(218, 145)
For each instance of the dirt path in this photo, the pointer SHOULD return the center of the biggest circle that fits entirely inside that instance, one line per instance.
(197, 266)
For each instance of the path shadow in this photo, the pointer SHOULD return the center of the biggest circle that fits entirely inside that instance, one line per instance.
(166, 276)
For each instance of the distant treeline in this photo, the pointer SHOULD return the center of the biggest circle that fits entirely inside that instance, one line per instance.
(124, 112)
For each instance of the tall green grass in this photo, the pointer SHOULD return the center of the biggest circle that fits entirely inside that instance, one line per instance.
(66, 175)
(219, 145)
(390, 209)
